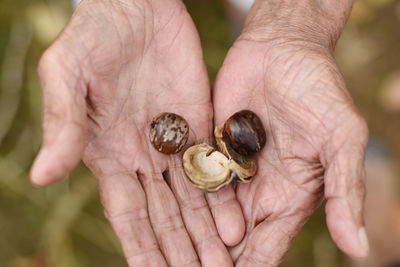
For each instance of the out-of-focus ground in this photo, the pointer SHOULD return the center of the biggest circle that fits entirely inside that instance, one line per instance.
(64, 226)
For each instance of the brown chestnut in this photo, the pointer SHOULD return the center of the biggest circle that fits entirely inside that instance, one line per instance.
(244, 132)
(242, 167)
(241, 136)
(169, 133)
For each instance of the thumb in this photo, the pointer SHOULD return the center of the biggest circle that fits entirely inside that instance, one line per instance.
(64, 119)
(345, 189)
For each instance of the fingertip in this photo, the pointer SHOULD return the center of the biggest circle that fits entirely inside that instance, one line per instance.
(42, 177)
(36, 173)
(363, 238)
(345, 232)
(363, 245)
(43, 172)
(230, 224)
(228, 216)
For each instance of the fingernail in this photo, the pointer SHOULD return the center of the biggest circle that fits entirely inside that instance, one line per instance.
(362, 237)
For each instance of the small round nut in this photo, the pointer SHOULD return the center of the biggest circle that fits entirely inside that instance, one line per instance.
(244, 132)
(169, 133)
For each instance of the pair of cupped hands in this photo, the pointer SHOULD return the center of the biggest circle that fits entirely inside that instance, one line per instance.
(117, 64)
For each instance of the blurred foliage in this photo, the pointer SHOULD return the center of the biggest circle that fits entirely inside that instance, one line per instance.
(64, 225)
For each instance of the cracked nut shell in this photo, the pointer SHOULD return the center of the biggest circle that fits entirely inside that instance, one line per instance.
(169, 133)
(244, 132)
(206, 168)
(238, 140)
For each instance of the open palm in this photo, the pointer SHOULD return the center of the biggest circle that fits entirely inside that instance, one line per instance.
(315, 147)
(115, 66)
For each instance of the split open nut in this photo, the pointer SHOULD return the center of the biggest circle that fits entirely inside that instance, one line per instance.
(210, 170)
(206, 168)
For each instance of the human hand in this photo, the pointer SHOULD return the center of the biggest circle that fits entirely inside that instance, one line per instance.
(282, 68)
(115, 66)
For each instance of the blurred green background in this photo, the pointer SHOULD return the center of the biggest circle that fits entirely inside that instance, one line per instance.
(64, 225)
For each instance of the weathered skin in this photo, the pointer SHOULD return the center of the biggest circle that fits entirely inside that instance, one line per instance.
(116, 65)
(282, 68)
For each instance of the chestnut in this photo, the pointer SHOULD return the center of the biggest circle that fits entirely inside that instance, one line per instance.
(169, 133)
(244, 132)
(210, 170)
(238, 139)
(243, 167)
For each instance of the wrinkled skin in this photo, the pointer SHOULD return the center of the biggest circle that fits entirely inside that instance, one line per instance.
(315, 143)
(116, 65)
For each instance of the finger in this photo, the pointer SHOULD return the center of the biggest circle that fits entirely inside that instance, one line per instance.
(198, 219)
(167, 223)
(64, 120)
(345, 190)
(227, 214)
(225, 208)
(269, 241)
(125, 207)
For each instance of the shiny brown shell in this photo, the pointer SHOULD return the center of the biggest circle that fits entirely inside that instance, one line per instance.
(169, 133)
(243, 167)
(244, 132)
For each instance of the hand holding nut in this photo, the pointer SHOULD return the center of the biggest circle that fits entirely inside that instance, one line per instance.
(127, 65)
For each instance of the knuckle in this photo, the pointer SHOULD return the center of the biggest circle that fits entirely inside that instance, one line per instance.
(50, 63)
(132, 215)
(192, 263)
(360, 188)
(169, 223)
(51, 115)
(196, 203)
(360, 126)
(354, 130)
(206, 241)
(59, 60)
(46, 61)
